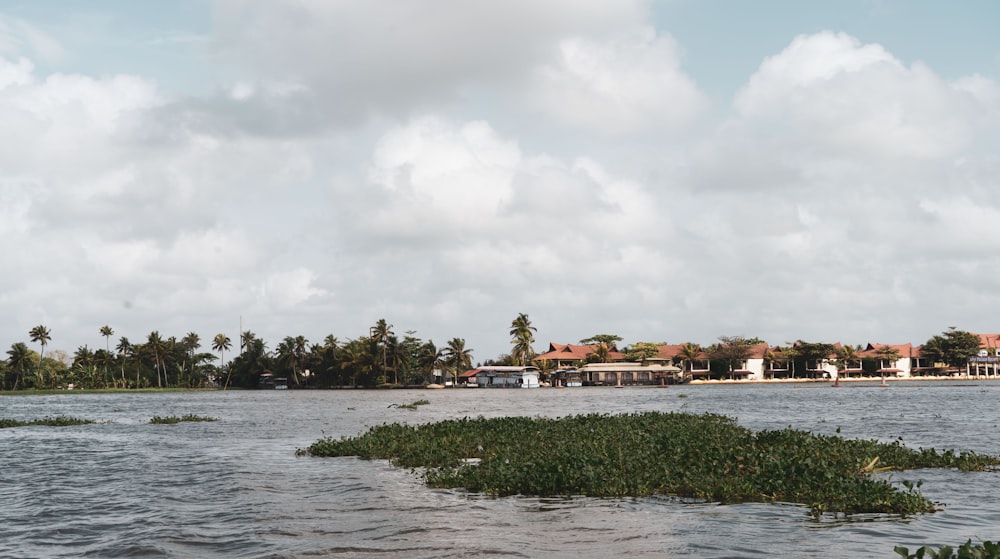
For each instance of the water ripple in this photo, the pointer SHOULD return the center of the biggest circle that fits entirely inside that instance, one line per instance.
(235, 489)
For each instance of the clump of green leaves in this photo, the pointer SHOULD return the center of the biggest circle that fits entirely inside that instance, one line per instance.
(985, 550)
(47, 421)
(411, 406)
(175, 419)
(705, 457)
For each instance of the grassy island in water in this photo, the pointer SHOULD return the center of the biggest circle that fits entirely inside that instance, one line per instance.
(703, 457)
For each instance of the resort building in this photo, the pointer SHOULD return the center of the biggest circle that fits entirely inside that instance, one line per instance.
(628, 373)
(683, 362)
(569, 355)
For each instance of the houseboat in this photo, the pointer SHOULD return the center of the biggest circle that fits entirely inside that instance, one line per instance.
(507, 377)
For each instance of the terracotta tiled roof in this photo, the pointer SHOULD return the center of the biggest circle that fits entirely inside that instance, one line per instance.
(571, 352)
(671, 351)
(871, 350)
(989, 341)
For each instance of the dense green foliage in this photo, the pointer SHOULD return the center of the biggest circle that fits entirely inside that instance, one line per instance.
(705, 457)
(379, 357)
(175, 419)
(952, 347)
(48, 421)
(985, 550)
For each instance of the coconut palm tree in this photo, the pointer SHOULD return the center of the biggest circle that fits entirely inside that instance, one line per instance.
(522, 333)
(156, 346)
(458, 357)
(380, 334)
(689, 353)
(107, 332)
(292, 352)
(125, 350)
(222, 343)
(601, 353)
(83, 363)
(41, 335)
(429, 358)
(18, 357)
(359, 356)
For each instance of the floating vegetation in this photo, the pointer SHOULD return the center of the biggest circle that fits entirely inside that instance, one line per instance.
(48, 421)
(985, 550)
(174, 419)
(704, 457)
(412, 406)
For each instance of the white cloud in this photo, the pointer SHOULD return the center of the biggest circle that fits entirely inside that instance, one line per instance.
(833, 93)
(368, 163)
(627, 84)
(362, 59)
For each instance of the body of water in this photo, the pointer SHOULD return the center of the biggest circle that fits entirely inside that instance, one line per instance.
(235, 488)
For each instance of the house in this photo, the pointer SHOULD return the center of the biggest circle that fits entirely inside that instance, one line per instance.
(569, 355)
(890, 359)
(629, 373)
(752, 368)
(699, 366)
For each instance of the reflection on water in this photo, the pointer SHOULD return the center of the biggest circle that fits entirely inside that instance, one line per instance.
(234, 487)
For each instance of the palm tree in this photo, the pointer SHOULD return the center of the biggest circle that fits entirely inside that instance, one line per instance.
(190, 343)
(83, 361)
(221, 343)
(246, 340)
(689, 353)
(380, 334)
(430, 358)
(41, 335)
(107, 332)
(522, 332)
(292, 351)
(156, 345)
(357, 358)
(457, 357)
(19, 356)
(125, 350)
(601, 353)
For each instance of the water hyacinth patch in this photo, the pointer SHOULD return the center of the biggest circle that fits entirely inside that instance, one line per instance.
(175, 419)
(48, 421)
(968, 550)
(705, 457)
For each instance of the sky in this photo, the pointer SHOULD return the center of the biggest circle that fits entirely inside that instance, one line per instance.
(665, 171)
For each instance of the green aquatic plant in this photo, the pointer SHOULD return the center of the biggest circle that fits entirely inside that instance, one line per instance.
(175, 419)
(704, 457)
(47, 421)
(411, 406)
(985, 550)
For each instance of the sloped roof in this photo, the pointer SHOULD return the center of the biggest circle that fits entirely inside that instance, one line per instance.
(989, 341)
(871, 350)
(672, 351)
(571, 352)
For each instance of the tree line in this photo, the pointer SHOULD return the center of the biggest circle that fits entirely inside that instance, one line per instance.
(380, 357)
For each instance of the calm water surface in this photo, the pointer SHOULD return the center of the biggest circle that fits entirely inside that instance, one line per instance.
(234, 487)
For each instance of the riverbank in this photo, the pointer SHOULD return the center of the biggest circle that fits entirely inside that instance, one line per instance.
(851, 380)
